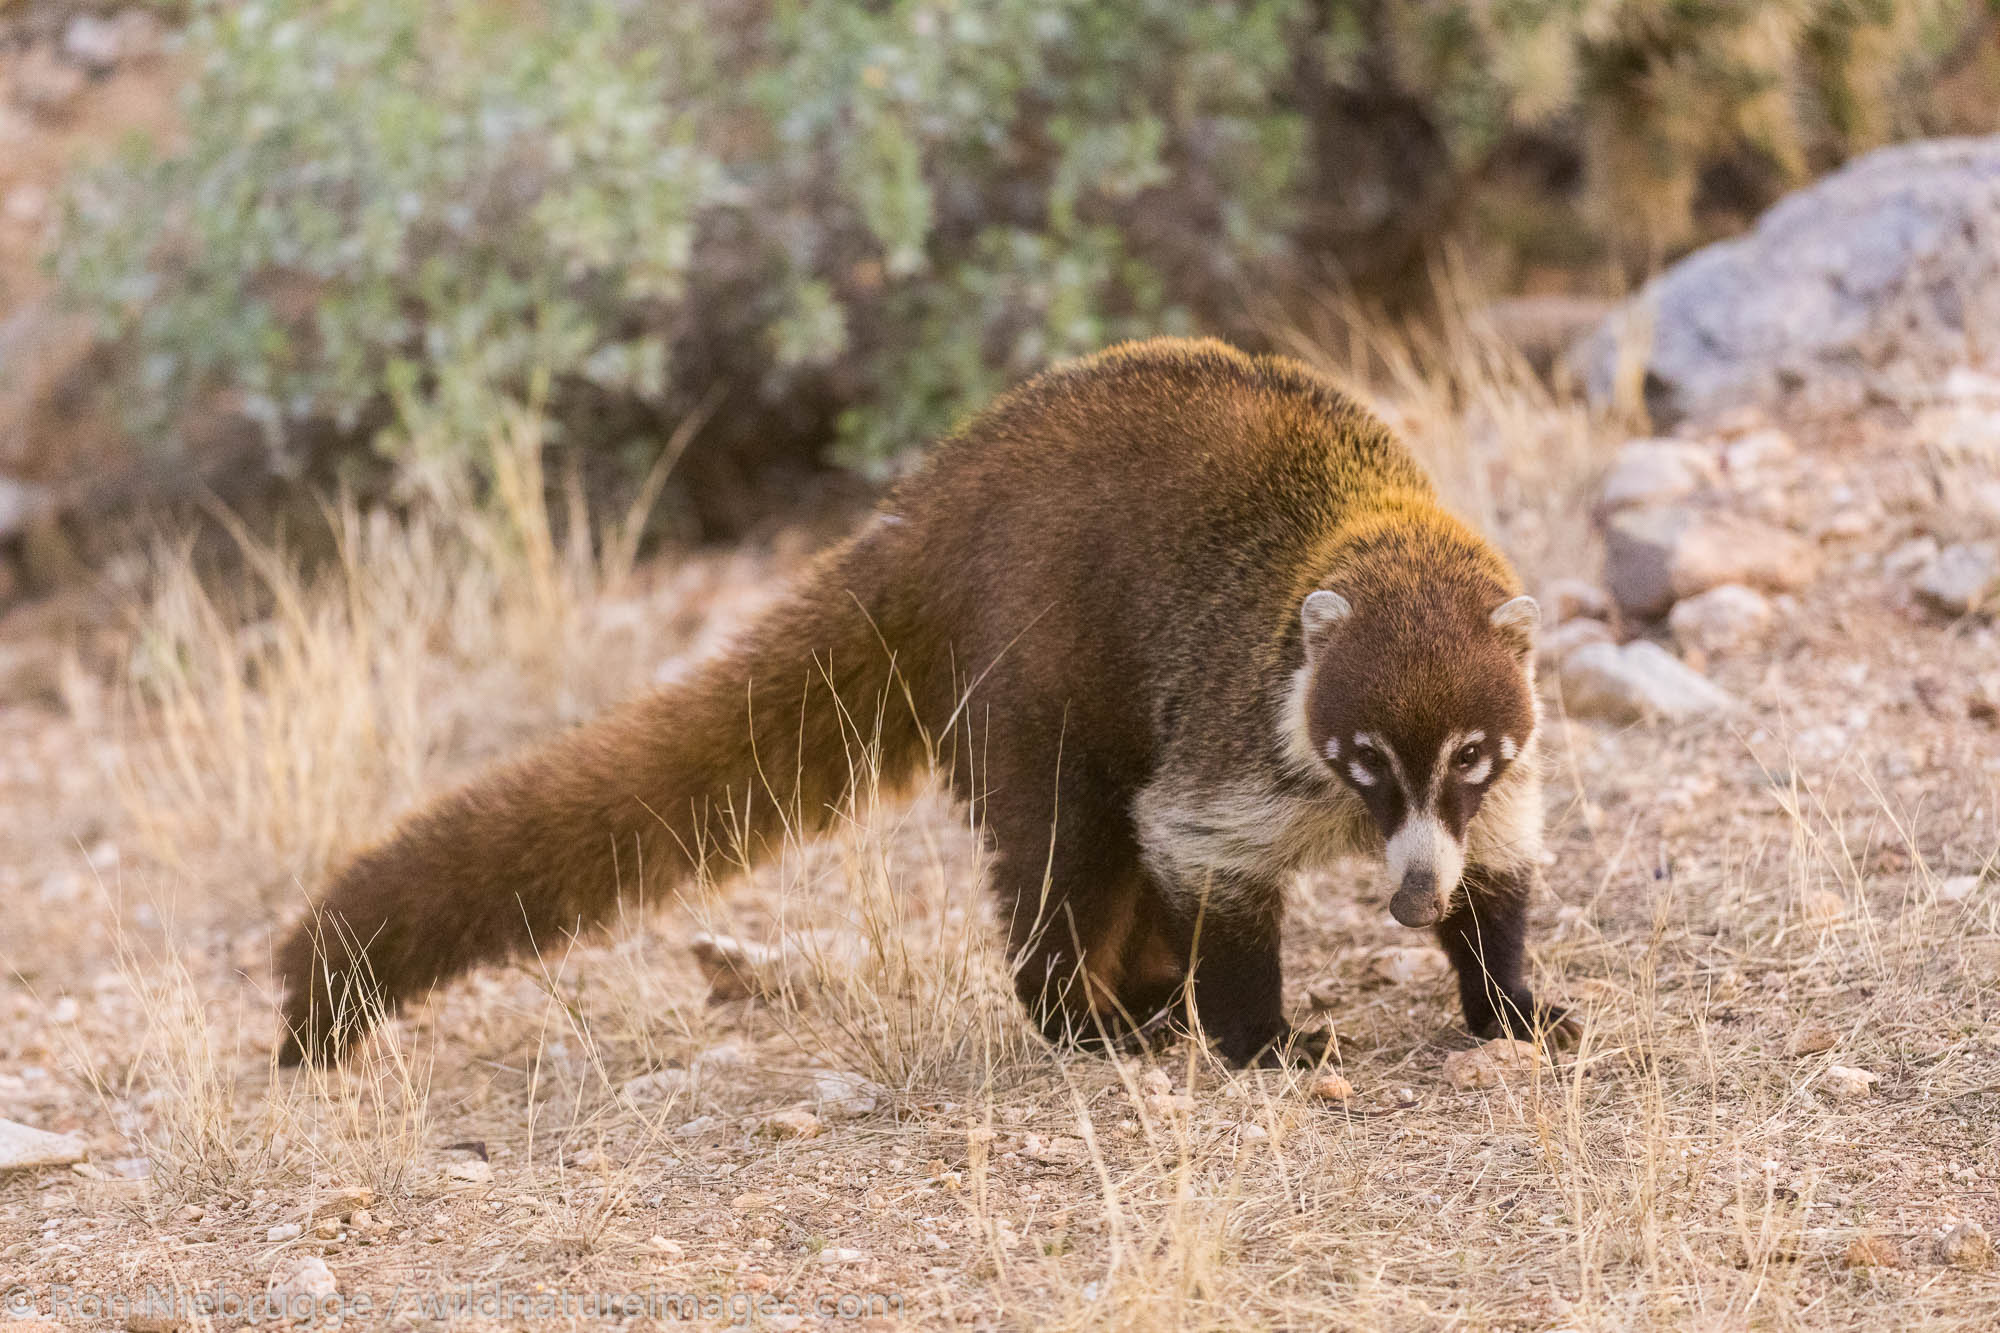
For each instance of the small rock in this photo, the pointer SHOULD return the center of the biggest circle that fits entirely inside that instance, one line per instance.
(1401, 1098)
(1822, 907)
(1758, 451)
(1654, 557)
(327, 1228)
(1492, 1063)
(1637, 681)
(1846, 525)
(283, 1232)
(474, 1172)
(661, 1245)
(1811, 1039)
(1963, 579)
(1723, 619)
(661, 1085)
(1844, 1083)
(1873, 1252)
(835, 1255)
(844, 1094)
(361, 1220)
(796, 1123)
(1564, 600)
(339, 1202)
(1551, 648)
(302, 1290)
(1910, 557)
(25, 1148)
(698, 1126)
(751, 1202)
(1649, 472)
(1402, 964)
(1965, 1245)
(1958, 888)
(1252, 1134)
(1332, 1088)
(1156, 1081)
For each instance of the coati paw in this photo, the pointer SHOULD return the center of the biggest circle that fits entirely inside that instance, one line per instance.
(1286, 1048)
(1526, 1019)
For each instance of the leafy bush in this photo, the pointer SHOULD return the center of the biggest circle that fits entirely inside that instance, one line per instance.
(853, 218)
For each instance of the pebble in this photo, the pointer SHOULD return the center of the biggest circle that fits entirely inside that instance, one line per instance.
(796, 1123)
(301, 1288)
(1551, 648)
(474, 1172)
(1564, 600)
(1649, 472)
(1724, 619)
(1845, 1083)
(1958, 888)
(661, 1245)
(1822, 907)
(1962, 579)
(1654, 557)
(284, 1231)
(843, 1094)
(1965, 1245)
(1492, 1063)
(1332, 1088)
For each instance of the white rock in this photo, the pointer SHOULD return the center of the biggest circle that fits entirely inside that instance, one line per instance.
(1958, 888)
(1910, 557)
(1965, 1245)
(1647, 472)
(844, 1094)
(1640, 680)
(1962, 579)
(1757, 451)
(661, 1085)
(1845, 1083)
(302, 1290)
(25, 1148)
(283, 1232)
(1721, 620)
(833, 1255)
(473, 1172)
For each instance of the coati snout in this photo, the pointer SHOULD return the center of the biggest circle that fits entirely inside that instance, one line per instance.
(1419, 704)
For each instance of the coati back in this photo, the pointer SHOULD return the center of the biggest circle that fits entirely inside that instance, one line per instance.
(1177, 621)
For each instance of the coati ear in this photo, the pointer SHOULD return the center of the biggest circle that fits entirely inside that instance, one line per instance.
(1322, 611)
(1517, 620)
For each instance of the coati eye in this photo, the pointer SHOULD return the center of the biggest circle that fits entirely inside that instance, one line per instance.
(1368, 757)
(1467, 756)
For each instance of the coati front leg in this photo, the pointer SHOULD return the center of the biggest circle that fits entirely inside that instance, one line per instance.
(1485, 936)
(1231, 930)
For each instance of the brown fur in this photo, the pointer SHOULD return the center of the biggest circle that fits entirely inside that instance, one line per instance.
(1090, 592)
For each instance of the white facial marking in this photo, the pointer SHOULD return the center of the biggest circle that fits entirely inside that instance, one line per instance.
(1362, 777)
(1508, 749)
(1332, 748)
(1425, 843)
(1480, 771)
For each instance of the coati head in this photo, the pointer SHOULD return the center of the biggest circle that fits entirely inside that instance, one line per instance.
(1419, 699)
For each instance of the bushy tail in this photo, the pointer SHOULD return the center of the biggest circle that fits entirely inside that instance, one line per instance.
(771, 735)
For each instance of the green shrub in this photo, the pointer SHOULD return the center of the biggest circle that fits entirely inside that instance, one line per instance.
(857, 217)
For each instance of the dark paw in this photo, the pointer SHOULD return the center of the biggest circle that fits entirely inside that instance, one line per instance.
(1523, 1018)
(1282, 1047)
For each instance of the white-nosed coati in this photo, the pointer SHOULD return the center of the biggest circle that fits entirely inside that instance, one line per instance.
(1178, 621)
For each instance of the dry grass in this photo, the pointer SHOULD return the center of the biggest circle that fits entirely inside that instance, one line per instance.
(1713, 892)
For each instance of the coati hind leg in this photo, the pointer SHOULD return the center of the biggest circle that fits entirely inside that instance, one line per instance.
(1485, 936)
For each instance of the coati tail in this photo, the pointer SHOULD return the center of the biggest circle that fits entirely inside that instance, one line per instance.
(767, 738)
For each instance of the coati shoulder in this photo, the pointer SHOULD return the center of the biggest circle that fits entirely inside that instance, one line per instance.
(1175, 620)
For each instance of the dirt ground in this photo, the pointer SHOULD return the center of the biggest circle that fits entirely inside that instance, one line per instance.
(1745, 912)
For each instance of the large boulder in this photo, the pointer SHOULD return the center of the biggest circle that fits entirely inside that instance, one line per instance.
(1889, 265)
